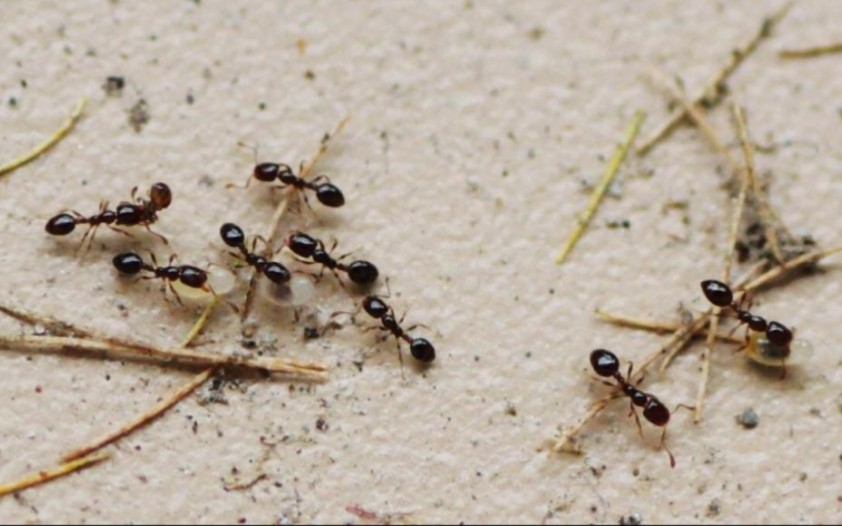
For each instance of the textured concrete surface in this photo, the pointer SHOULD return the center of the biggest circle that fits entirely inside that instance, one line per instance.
(475, 130)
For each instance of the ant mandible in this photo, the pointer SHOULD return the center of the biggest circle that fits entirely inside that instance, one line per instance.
(130, 263)
(327, 193)
(420, 348)
(305, 246)
(607, 365)
(234, 237)
(141, 212)
(722, 296)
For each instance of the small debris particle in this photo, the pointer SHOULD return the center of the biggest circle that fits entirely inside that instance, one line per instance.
(301, 44)
(309, 75)
(190, 98)
(510, 410)
(537, 33)
(13, 102)
(261, 106)
(802, 477)
(139, 115)
(714, 508)
(38, 389)
(528, 354)
(635, 472)
(321, 425)
(311, 333)
(748, 419)
(552, 291)
(39, 330)
(114, 85)
(23, 83)
(625, 223)
(815, 411)
(634, 519)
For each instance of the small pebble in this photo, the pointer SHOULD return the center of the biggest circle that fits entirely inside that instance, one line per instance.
(634, 519)
(748, 419)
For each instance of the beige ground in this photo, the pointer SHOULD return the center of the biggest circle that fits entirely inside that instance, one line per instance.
(474, 129)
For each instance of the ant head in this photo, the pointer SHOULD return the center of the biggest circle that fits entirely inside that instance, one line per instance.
(778, 334)
(362, 272)
(422, 350)
(302, 244)
(160, 196)
(375, 307)
(61, 225)
(232, 235)
(266, 172)
(276, 272)
(128, 263)
(604, 363)
(717, 292)
(330, 195)
(656, 412)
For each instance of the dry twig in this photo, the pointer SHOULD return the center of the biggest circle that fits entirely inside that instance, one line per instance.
(716, 87)
(602, 187)
(45, 476)
(811, 52)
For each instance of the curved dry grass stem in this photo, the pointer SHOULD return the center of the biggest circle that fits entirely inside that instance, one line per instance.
(711, 94)
(811, 51)
(599, 192)
(49, 142)
(45, 476)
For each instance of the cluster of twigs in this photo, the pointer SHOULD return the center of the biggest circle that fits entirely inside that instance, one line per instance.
(784, 258)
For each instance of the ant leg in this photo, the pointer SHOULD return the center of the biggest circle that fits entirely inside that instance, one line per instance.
(400, 359)
(175, 292)
(664, 445)
(156, 234)
(684, 406)
(783, 369)
(633, 412)
(134, 194)
(120, 230)
(243, 187)
(338, 278)
(320, 177)
(89, 235)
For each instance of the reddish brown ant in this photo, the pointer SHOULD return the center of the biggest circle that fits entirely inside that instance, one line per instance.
(234, 237)
(130, 263)
(722, 296)
(607, 365)
(360, 272)
(326, 192)
(140, 212)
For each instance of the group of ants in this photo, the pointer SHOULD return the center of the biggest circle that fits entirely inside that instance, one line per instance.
(607, 365)
(307, 249)
(310, 250)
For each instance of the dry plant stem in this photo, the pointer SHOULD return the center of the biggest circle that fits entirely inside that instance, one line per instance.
(602, 187)
(275, 223)
(149, 415)
(52, 325)
(312, 371)
(200, 324)
(698, 118)
(595, 409)
(748, 174)
(657, 326)
(762, 205)
(51, 141)
(46, 476)
(811, 52)
(792, 264)
(738, 56)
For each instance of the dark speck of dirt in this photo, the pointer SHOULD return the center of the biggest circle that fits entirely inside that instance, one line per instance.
(38, 389)
(114, 85)
(321, 425)
(714, 507)
(13, 102)
(310, 333)
(634, 519)
(748, 419)
(262, 106)
(309, 75)
(139, 115)
(190, 99)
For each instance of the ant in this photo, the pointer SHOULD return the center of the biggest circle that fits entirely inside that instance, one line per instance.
(194, 277)
(359, 271)
(234, 237)
(607, 365)
(327, 193)
(722, 296)
(141, 212)
(420, 348)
